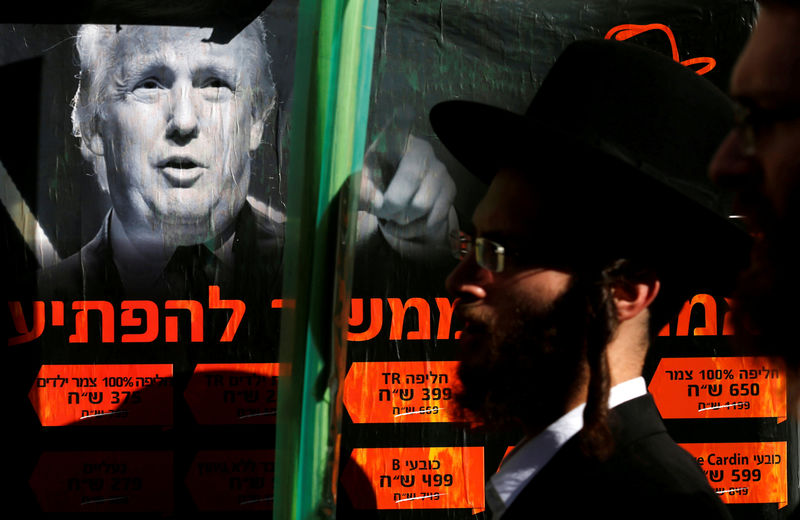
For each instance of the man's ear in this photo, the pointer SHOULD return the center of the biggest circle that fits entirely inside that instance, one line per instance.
(95, 144)
(257, 129)
(91, 139)
(93, 151)
(631, 298)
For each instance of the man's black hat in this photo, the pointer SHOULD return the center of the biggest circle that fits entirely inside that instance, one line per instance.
(626, 135)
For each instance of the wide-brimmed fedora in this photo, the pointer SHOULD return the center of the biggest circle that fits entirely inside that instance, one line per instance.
(631, 133)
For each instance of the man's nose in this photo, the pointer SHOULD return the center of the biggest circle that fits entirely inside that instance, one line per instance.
(735, 162)
(469, 280)
(182, 122)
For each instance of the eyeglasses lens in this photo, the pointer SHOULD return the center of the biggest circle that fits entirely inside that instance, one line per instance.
(460, 244)
(490, 255)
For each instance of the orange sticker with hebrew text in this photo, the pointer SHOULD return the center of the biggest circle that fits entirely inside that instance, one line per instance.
(103, 395)
(401, 391)
(719, 387)
(234, 393)
(415, 478)
(744, 472)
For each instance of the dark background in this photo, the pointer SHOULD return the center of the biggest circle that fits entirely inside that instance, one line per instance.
(426, 51)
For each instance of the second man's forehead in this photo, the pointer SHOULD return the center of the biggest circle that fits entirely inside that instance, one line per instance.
(768, 70)
(530, 204)
(510, 206)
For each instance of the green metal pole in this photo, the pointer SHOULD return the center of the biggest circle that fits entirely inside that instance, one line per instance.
(331, 91)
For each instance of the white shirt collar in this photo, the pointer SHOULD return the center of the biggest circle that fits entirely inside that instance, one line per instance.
(530, 457)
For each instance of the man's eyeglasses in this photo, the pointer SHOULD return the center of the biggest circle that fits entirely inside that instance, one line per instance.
(752, 121)
(488, 254)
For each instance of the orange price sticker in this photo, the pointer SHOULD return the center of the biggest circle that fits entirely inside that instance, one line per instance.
(401, 391)
(744, 472)
(103, 395)
(719, 387)
(101, 481)
(234, 393)
(232, 480)
(415, 478)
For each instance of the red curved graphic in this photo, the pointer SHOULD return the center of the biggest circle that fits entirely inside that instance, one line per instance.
(625, 31)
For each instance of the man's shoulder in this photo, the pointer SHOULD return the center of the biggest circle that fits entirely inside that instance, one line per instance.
(85, 274)
(260, 221)
(643, 447)
(647, 476)
(65, 273)
(255, 266)
(649, 468)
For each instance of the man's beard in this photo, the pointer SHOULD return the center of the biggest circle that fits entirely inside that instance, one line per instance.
(764, 310)
(527, 367)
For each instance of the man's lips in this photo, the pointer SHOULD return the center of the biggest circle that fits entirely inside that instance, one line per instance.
(754, 210)
(469, 319)
(181, 171)
(473, 329)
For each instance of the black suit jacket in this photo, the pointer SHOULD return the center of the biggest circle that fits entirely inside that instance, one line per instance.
(648, 476)
(255, 273)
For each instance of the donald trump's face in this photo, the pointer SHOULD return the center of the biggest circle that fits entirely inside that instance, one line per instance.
(176, 127)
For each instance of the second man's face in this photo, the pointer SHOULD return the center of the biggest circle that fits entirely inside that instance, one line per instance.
(177, 129)
(521, 349)
(760, 162)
